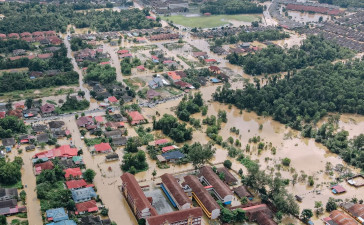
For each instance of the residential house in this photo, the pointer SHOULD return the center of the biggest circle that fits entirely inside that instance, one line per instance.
(8, 193)
(185, 216)
(77, 160)
(66, 163)
(83, 121)
(355, 210)
(113, 134)
(160, 142)
(170, 63)
(141, 68)
(64, 151)
(152, 94)
(56, 215)
(76, 184)
(102, 148)
(73, 173)
(221, 190)
(10, 207)
(184, 85)
(114, 125)
(112, 100)
(56, 125)
(229, 177)
(86, 207)
(169, 148)
(242, 192)
(173, 156)
(43, 138)
(111, 157)
(94, 220)
(173, 76)
(157, 82)
(203, 198)
(38, 168)
(200, 55)
(63, 222)
(215, 69)
(174, 192)
(83, 194)
(338, 189)
(136, 198)
(339, 217)
(8, 143)
(210, 61)
(30, 148)
(123, 51)
(119, 141)
(25, 139)
(136, 118)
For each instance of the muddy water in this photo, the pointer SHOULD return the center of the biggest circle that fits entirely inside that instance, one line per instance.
(307, 17)
(106, 180)
(307, 156)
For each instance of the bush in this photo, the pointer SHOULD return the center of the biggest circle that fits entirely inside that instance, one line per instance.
(228, 164)
(286, 161)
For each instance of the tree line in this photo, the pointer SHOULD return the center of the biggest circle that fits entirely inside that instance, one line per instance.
(344, 3)
(11, 125)
(230, 7)
(104, 74)
(38, 17)
(274, 59)
(267, 35)
(7, 46)
(304, 96)
(173, 129)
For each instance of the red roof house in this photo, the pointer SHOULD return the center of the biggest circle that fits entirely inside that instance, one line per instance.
(174, 77)
(150, 17)
(38, 168)
(103, 148)
(65, 151)
(112, 99)
(45, 56)
(99, 119)
(338, 189)
(13, 35)
(47, 108)
(160, 141)
(215, 69)
(73, 173)
(75, 184)
(84, 207)
(136, 117)
(2, 115)
(168, 148)
(140, 68)
(123, 51)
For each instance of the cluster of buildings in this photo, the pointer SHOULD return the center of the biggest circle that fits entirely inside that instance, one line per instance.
(9, 202)
(351, 214)
(41, 133)
(43, 37)
(205, 188)
(167, 6)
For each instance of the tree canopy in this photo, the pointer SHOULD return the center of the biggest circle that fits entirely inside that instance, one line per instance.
(31, 17)
(11, 125)
(305, 96)
(274, 59)
(172, 128)
(230, 7)
(105, 74)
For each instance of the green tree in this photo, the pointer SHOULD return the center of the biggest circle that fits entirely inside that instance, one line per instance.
(23, 196)
(228, 164)
(286, 161)
(29, 103)
(306, 215)
(200, 154)
(89, 175)
(331, 205)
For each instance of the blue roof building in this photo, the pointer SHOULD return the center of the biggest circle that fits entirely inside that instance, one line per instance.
(64, 222)
(172, 156)
(83, 194)
(215, 80)
(56, 215)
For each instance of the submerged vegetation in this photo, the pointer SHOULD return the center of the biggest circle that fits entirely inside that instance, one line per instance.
(314, 50)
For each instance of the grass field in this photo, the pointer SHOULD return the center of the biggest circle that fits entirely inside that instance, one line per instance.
(210, 21)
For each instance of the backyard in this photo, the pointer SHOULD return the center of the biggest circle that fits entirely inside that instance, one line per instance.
(210, 21)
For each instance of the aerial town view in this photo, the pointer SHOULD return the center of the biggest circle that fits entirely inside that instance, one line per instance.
(181, 112)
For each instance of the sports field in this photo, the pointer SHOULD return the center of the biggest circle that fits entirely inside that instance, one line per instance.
(210, 21)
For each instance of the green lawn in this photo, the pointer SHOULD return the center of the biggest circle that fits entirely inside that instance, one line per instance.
(210, 21)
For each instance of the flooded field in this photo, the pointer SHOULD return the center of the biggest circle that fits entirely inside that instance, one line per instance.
(305, 17)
